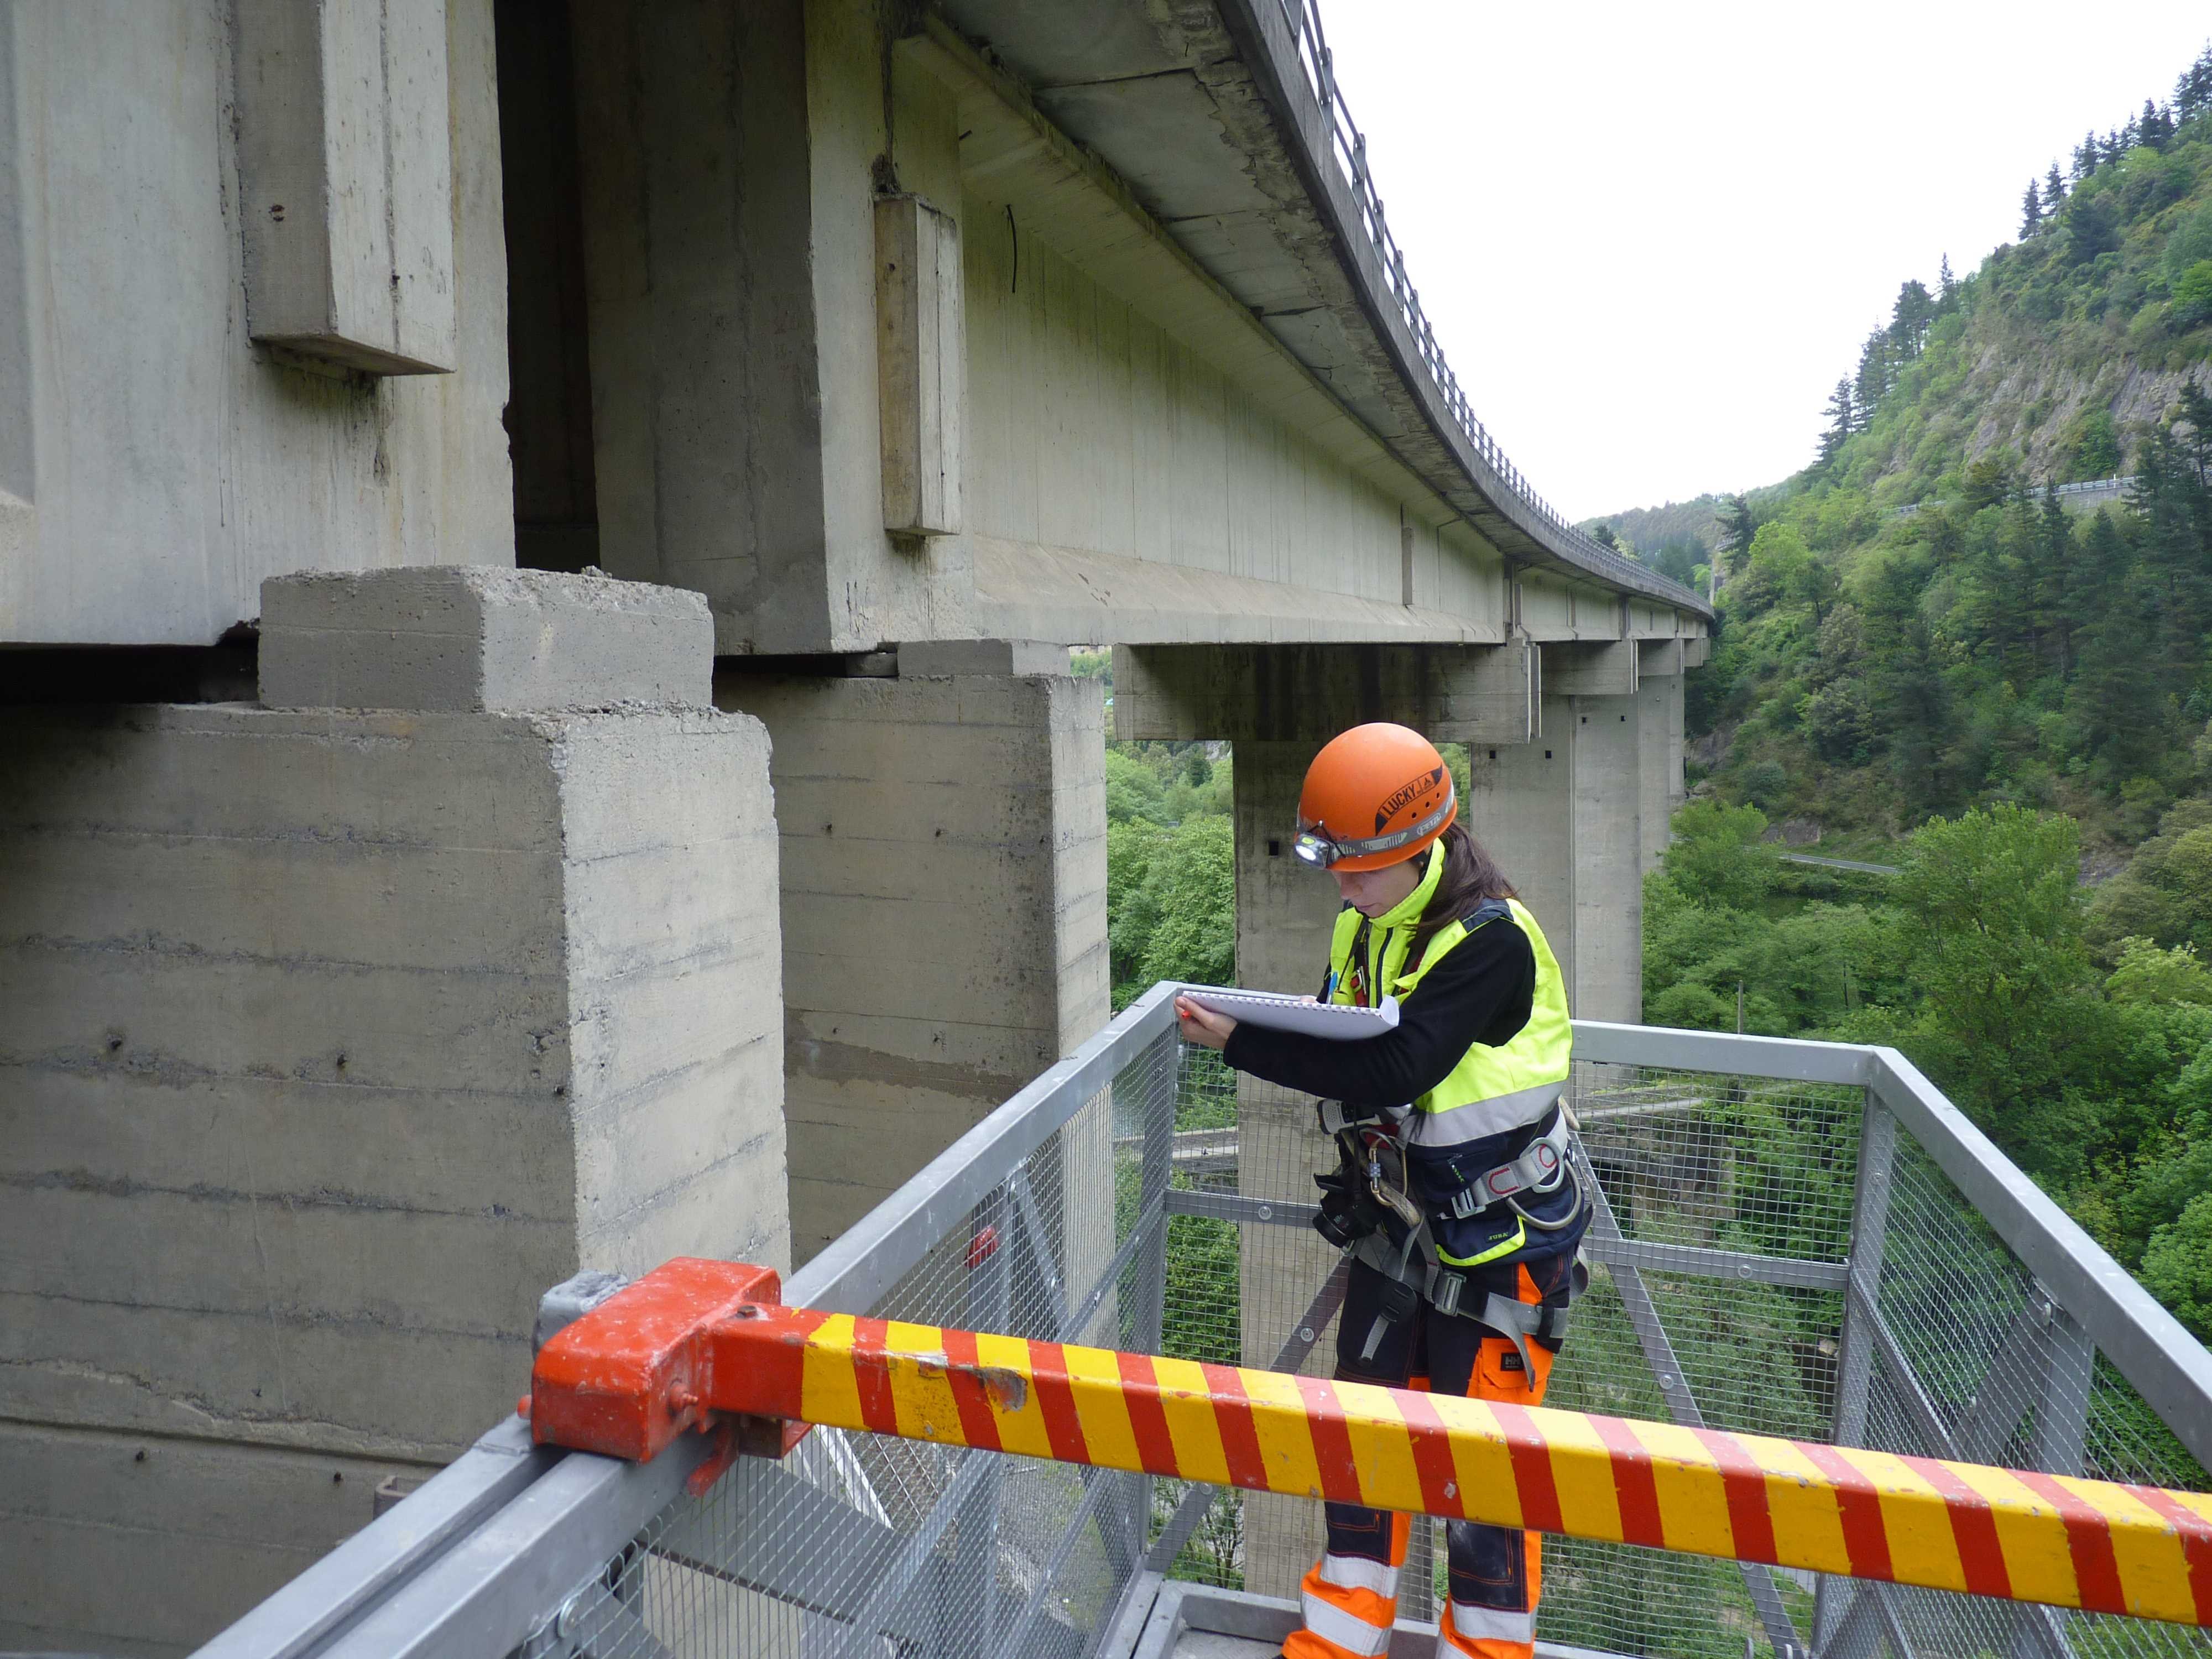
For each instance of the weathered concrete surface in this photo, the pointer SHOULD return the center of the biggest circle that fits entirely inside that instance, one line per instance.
(1659, 718)
(145, 504)
(459, 637)
(729, 232)
(944, 872)
(706, 418)
(331, 1040)
(926, 658)
(1599, 670)
(144, 1545)
(1519, 805)
(1285, 910)
(1309, 693)
(1611, 750)
(345, 169)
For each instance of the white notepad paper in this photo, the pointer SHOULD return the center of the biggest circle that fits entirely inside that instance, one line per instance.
(1339, 1022)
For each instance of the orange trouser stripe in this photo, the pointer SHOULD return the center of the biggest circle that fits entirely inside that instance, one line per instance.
(2053, 1539)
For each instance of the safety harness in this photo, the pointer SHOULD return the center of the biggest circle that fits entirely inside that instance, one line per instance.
(1413, 1268)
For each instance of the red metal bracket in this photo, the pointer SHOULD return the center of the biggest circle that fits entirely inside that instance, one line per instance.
(638, 1369)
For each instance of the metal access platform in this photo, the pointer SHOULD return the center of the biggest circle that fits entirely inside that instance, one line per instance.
(1797, 1240)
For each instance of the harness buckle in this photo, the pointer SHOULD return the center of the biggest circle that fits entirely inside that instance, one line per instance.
(1444, 1289)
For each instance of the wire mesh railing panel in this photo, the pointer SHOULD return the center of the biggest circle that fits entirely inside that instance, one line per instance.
(1760, 1174)
(1747, 1168)
(1168, 1213)
(1728, 1163)
(1970, 1357)
(860, 1545)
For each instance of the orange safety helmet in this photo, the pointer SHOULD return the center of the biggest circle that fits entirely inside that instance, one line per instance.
(1375, 796)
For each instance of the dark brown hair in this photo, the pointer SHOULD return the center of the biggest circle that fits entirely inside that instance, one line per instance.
(1470, 876)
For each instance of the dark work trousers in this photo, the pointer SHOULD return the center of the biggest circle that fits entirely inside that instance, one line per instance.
(1495, 1572)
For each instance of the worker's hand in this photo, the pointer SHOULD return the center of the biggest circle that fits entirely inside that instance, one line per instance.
(1203, 1025)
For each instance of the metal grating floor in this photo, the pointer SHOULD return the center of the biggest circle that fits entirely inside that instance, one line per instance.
(1165, 1619)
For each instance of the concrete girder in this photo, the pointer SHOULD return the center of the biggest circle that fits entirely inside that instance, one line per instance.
(1607, 669)
(1476, 693)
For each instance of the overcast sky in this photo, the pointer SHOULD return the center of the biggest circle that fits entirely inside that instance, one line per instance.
(1650, 237)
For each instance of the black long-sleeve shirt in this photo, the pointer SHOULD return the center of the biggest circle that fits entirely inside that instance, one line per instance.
(1480, 991)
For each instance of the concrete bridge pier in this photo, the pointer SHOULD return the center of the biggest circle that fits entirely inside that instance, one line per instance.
(943, 820)
(340, 1024)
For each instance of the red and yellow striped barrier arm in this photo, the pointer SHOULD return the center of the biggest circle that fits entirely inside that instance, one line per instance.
(698, 1337)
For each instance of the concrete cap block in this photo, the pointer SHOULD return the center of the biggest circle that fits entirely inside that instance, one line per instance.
(477, 637)
(925, 657)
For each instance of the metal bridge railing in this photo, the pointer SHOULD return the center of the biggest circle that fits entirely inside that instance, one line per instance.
(1348, 152)
(1798, 1239)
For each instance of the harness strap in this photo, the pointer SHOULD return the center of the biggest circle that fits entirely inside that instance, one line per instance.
(1540, 1168)
(1446, 1292)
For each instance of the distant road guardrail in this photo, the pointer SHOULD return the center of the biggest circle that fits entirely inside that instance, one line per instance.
(2095, 489)
(1841, 864)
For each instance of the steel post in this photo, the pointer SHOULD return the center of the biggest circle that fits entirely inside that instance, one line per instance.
(1835, 1634)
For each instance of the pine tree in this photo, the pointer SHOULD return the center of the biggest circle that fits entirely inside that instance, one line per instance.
(2149, 128)
(2031, 211)
(1908, 319)
(2085, 157)
(1843, 421)
(1739, 524)
(1946, 284)
(2054, 191)
(2052, 602)
(2192, 94)
(2115, 700)
(1874, 374)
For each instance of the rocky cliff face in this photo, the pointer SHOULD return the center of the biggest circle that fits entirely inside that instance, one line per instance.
(2034, 407)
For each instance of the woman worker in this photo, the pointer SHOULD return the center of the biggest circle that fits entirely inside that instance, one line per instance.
(1457, 1194)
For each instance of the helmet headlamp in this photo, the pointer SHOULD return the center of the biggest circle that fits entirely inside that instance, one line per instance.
(1317, 847)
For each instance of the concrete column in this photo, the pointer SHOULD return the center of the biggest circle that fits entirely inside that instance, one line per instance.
(1521, 805)
(1285, 914)
(1285, 910)
(1608, 877)
(1654, 802)
(334, 1033)
(1677, 789)
(944, 905)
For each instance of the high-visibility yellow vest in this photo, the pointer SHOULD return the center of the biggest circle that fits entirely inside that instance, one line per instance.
(1491, 1091)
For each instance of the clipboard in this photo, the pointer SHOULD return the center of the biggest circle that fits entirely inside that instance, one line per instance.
(1338, 1022)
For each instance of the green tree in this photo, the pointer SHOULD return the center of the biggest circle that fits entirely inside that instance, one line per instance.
(2177, 1267)
(1717, 857)
(2147, 974)
(2031, 211)
(1992, 929)
(1739, 523)
(1841, 415)
(1171, 905)
(2192, 295)
(1193, 875)
(2097, 447)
